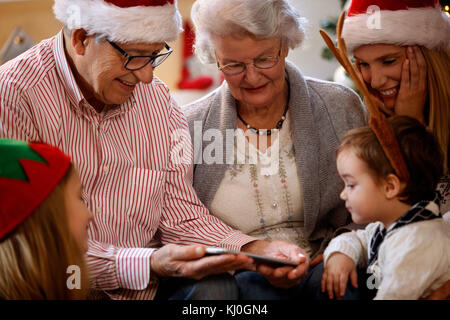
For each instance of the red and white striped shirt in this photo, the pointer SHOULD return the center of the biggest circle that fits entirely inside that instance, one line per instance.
(132, 184)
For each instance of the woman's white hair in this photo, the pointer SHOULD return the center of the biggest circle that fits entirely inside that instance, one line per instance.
(260, 18)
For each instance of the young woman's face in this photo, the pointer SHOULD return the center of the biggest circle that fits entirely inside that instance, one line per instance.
(78, 215)
(381, 68)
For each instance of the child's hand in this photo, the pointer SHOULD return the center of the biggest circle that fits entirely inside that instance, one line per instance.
(337, 270)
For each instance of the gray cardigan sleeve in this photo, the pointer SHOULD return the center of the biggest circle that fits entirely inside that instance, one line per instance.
(345, 111)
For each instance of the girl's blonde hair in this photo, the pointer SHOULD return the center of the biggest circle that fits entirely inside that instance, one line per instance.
(34, 258)
(437, 112)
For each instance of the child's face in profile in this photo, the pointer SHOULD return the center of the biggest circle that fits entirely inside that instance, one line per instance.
(363, 195)
(78, 214)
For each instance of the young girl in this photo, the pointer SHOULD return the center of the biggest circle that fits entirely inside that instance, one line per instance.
(401, 49)
(43, 224)
(405, 248)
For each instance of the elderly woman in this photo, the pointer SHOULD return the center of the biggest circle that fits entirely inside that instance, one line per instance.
(270, 170)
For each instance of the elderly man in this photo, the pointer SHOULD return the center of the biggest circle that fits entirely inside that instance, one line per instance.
(90, 90)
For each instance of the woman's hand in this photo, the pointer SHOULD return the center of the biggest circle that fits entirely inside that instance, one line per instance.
(337, 270)
(286, 276)
(413, 87)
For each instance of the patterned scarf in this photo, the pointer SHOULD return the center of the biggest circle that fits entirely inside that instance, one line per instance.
(421, 211)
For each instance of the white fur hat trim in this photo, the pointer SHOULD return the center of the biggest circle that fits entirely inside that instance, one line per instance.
(427, 27)
(140, 24)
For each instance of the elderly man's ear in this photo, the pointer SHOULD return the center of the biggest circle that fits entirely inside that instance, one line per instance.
(79, 40)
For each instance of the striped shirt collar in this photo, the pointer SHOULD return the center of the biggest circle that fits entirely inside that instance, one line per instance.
(76, 97)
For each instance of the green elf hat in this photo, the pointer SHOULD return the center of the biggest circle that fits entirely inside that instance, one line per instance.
(28, 174)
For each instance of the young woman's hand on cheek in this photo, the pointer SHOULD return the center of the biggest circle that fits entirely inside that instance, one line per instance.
(413, 87)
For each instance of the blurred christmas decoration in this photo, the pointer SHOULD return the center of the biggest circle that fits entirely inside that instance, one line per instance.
(194, 74)
(329, 25)
(445, 5)
(18, 42)
(341, 76)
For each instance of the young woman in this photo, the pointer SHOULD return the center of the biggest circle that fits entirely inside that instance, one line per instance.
(404, 59)
(43, 224)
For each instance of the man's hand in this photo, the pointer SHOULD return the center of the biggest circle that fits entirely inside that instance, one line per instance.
(281, 277)
(335, 276)
(190, 262)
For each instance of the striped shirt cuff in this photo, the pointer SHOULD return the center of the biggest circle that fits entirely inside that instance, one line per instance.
(236, 240)
(133, 268)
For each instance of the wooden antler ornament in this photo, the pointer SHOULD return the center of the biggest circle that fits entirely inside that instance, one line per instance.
(377, 120)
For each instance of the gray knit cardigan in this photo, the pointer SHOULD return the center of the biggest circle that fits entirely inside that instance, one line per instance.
(321, 113)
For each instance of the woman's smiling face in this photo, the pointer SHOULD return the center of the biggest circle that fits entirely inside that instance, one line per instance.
(253, 87)
(381, 68)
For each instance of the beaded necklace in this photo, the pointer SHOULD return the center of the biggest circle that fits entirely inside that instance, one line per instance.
(267, 132)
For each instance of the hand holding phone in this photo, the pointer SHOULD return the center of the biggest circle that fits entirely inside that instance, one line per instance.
(258, 259)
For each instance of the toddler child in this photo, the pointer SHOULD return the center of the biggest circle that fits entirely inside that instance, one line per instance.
(405, 247)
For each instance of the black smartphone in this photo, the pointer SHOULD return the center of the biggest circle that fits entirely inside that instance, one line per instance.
(258, 259)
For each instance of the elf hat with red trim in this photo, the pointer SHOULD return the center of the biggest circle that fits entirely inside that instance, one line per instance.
(399, 22)
(124, 21)
(28, 174)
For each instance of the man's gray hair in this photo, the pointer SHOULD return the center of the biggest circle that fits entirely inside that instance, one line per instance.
(98, 37)
(260, 18)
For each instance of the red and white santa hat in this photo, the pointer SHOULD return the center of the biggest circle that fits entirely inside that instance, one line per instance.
(399, 22)
(29, 172)
(126, 21)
